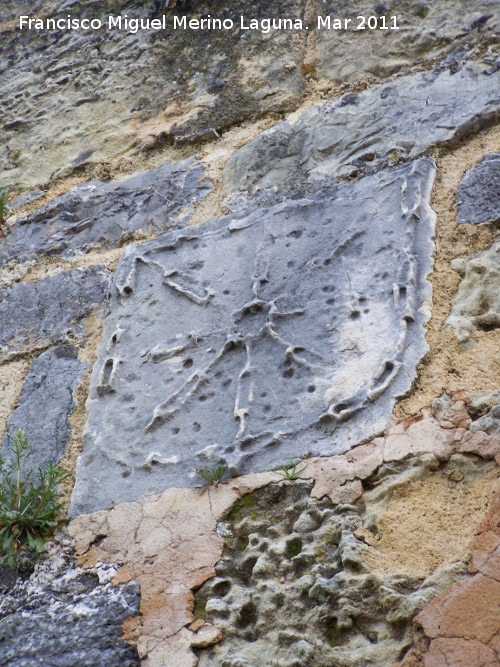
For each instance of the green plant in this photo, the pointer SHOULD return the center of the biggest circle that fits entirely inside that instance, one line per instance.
(289, 469)
(211, 474)
(29, 509)
(3, 206)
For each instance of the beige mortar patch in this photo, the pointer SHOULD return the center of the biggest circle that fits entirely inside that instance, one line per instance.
(78, 417)
(447, 366)
(11, 383)
(430, 523)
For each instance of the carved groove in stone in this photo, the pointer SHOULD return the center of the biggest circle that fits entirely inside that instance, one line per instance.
(301, 326)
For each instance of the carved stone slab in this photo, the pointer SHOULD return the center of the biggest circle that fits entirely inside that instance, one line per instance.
(102, 213)
(259, 337)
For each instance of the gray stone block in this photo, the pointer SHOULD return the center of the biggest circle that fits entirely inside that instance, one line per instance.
(478, 195)
(45, 404)
(260, 336)
(64, 616)
(39, 313)
(357, 133)
(102, 213)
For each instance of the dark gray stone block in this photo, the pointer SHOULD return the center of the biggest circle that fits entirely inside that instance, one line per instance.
(39, 313)
(63, 616)
(258, 337)
(46, 403)
(27, 198)
(390, 122)
(478, 195)
(102, 213)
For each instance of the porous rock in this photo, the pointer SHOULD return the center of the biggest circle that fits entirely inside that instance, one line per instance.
(387, 122)
(291, 588)
(258, 337)
(39, 313)
(476, 305)
(478, 194)
(64, 616)
(97, 212)
(45, 404)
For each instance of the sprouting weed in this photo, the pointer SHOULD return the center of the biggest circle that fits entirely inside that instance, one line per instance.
(211, 474)
(289, 469)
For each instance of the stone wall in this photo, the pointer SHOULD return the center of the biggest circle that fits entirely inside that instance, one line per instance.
(242, 249)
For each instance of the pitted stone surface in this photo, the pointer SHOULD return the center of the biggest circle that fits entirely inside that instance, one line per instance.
(36, 314)
(258, 337)
(478, 195)
(102, 213)
(386, 123)
(45, 404)
(427, 31)
(64, 616)
(291, 588)
(476, 306)
(74, 99)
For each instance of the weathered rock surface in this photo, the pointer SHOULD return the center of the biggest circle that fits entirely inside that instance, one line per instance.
(292, 584)
(36, 314)
(45, 404)
(255, 338)
(426, 30)
(476, 306)
(462, 625)
(103, 213)
(384, 124)
(65, 616)
(171, 550)
(478, 195)
(71, 99)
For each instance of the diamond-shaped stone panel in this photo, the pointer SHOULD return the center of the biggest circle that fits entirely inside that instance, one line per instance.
(258, 337)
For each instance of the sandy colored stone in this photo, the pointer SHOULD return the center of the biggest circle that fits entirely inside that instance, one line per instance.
(206, 636)
(421, 436)
(470, 610)
(444, 652)
(168, 550)
(11, 382)
(427, 523)
(448, 366)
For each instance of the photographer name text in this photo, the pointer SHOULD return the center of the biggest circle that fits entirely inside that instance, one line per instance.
(264, 25)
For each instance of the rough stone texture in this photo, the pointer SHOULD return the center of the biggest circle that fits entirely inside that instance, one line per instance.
(461, 627)
(168, 550)
(45, 404)
(74, 98)
(291, 588)
(476, 306)
(427, 30)
(63, 616)
(103, 213)
(171, 549)
(478, 195)
(360, 132)
(11, 382)
(251, 339)
(36, 314)
(486, 410)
